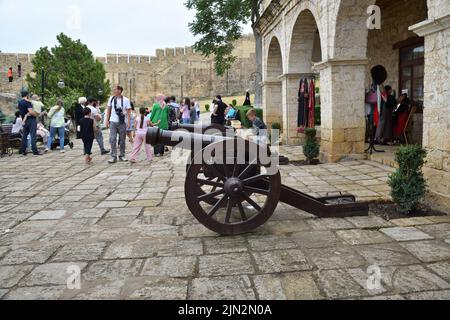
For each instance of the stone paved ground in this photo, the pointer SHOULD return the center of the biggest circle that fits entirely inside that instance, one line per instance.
(128, 229)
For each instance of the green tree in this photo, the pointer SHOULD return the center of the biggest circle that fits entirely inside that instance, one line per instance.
(72, 62)
(219, 25)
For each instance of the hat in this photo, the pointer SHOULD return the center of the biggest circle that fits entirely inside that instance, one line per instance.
(35, 97)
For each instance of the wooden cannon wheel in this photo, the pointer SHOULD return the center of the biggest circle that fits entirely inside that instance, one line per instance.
(226, 198)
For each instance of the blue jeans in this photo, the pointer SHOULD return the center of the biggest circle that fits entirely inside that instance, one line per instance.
(29, 128)
(53, 131)
(186, 121)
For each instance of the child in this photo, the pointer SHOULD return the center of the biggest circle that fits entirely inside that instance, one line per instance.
(259, 126)
(88, 130)
(142, 124)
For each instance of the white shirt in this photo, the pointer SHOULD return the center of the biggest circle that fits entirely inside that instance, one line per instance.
(197, 106)
(126, 105)
(17, 126)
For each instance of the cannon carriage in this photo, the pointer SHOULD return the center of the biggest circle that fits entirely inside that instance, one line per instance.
(233, 186)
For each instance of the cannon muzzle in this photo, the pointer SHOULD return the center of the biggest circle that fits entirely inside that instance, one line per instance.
(182, 139)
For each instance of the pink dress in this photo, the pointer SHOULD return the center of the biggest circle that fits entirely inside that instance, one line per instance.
(141, 134)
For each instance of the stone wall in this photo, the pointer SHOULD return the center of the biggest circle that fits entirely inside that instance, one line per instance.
(437, 108)
(174, 71)
(397, 17)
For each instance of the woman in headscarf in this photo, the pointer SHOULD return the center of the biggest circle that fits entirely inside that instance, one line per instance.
(160, 116)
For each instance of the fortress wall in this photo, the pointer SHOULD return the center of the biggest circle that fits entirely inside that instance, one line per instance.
(144, 76)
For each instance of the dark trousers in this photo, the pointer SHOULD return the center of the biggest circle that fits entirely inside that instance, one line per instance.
(29, 128)
(10, 79)
(88, 146)
(159, 149)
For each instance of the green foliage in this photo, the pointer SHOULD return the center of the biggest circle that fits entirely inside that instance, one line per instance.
(207, 107)
(311, 149)
(317, 117)
(276, 126)
(408, 186)
(242, 115)
(72, 62)
(234, 102)
(70, 99)
(219, 25)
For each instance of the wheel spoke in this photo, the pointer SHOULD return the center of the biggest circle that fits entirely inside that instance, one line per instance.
(243, 173)
(242, 211)
(217, 206)
(218, 174)
(254, 179)
(257, 190)
(211, 183)
(210, 195)
(252, 203)
(229, 210)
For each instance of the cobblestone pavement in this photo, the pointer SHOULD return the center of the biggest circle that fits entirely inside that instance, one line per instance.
(128, 230)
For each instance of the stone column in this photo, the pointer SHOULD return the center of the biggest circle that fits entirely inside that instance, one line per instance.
(436, 140)
(272, 91)
(290, 86)
(342, 86)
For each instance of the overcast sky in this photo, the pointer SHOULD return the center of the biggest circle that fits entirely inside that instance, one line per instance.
(105, 26)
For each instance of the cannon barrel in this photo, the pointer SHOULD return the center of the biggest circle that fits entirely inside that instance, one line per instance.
(199, 128)
(182, 139)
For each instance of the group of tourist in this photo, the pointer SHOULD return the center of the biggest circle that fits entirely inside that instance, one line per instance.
(120, 118)
(28, 124)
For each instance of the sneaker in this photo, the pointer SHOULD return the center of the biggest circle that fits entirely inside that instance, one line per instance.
(46, 150)
(37, 154)
(104, 152)
(112, 160)
(123, 159)
(133, 161)
(63, 151)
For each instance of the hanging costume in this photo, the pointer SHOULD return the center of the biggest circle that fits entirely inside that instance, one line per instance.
(303, 108)
(312, 104)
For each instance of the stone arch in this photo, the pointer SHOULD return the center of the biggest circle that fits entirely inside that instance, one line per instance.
(350, 32)
(307, 43)
(274, 64)
(272, 89)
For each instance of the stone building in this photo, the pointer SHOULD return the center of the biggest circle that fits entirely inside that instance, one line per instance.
(177, 71)
(332, 39)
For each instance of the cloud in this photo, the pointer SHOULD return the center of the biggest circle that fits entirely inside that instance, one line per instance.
(106, 26)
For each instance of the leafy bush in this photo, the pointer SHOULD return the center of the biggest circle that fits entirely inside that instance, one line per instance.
(276, 126)
(311, 149)
(408, 186)
(242, 115)
(207, 107)
(234, 103)
(318, 119)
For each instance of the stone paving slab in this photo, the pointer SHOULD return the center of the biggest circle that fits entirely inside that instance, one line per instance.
(128, 229)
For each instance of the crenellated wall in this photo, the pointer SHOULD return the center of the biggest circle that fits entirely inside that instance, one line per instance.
(172, 71)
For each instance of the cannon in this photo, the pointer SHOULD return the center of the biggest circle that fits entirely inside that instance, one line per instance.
(233, 186)
(196, 128)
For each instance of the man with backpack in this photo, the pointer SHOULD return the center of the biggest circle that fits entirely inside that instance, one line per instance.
(118, 117)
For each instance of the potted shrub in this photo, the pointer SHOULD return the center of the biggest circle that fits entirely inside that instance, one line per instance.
(408, 186)
(234, 103)
(275, 126)
(311, 149)
(207, 107)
